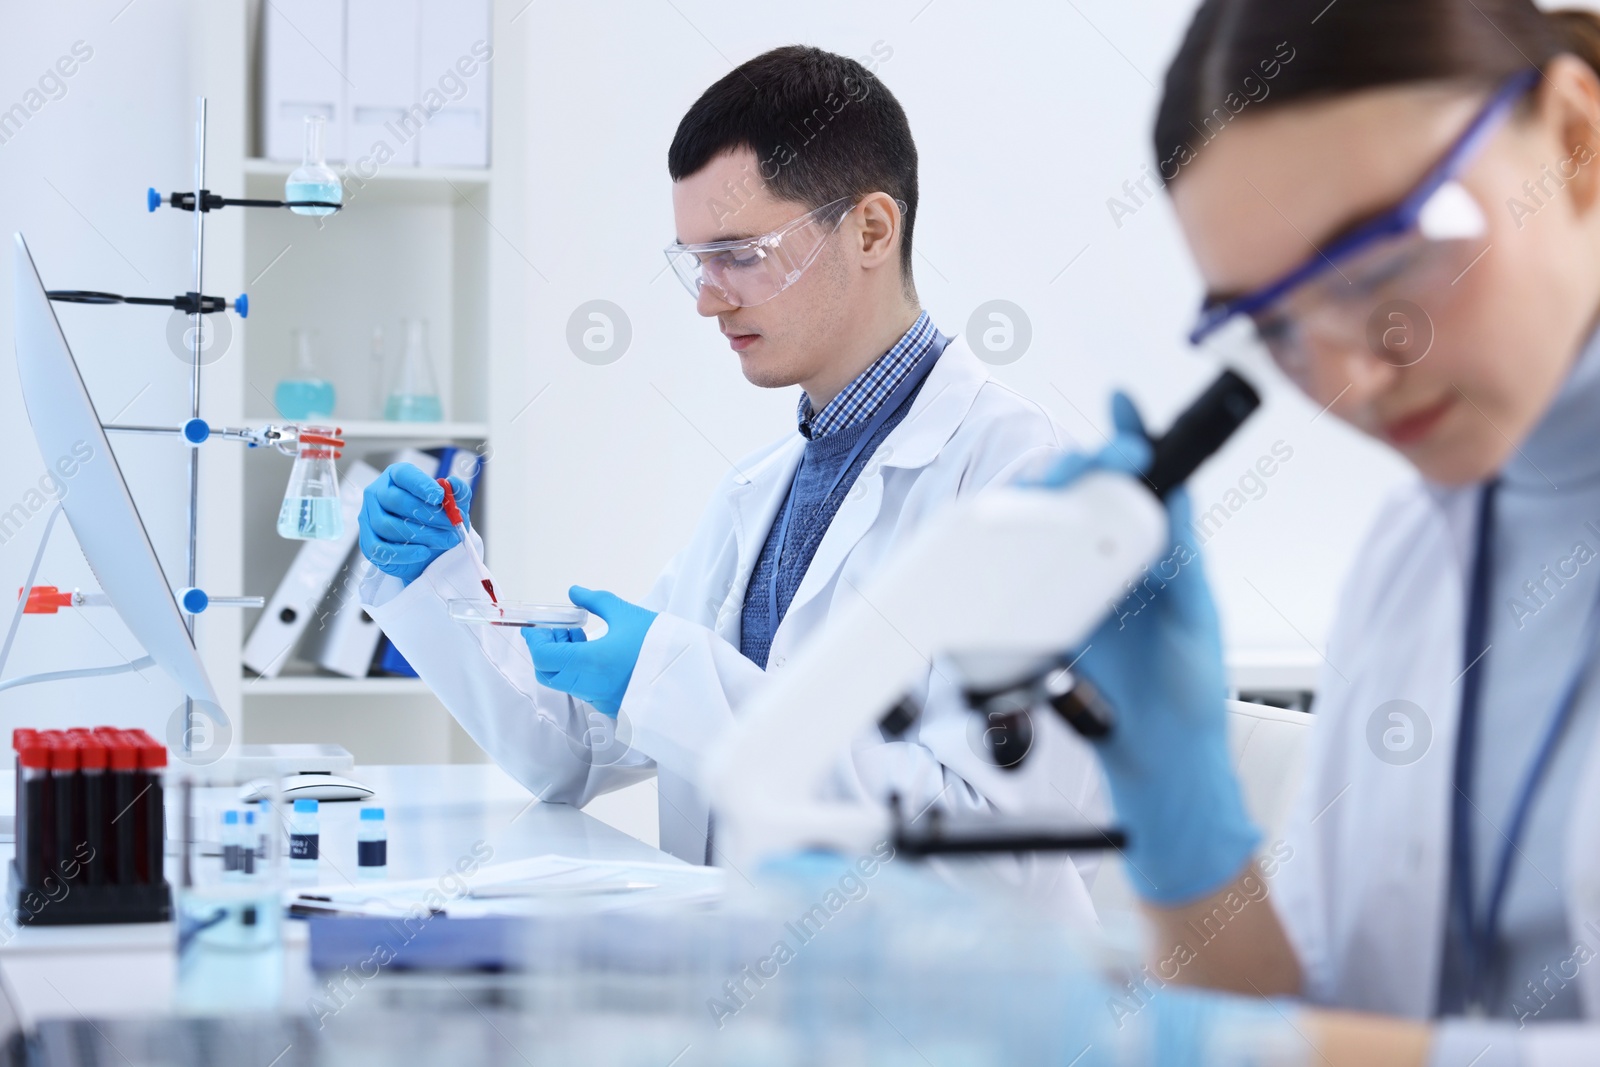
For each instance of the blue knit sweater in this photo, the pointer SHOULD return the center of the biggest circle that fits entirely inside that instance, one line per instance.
(811, 512)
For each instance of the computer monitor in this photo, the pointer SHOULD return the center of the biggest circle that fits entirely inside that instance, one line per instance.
(95, 497)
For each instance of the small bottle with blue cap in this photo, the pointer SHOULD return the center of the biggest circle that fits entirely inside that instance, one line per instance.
(304, 837)
(263, 827)
(231, 866)
(247, 844)
(372, 845)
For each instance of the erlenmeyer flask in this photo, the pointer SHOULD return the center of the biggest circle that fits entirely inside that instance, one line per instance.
(313, 179)
(310, 509)
(307, 394)
(415, 395)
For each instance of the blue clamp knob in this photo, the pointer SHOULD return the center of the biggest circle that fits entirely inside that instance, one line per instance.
(193, 600)
(152, 198)
(196, 431)
(242, 305)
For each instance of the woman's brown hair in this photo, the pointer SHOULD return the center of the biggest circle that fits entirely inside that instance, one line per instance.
(1242, 55)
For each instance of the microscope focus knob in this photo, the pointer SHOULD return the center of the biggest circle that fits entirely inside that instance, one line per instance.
(1009, 735)
(1079, 703)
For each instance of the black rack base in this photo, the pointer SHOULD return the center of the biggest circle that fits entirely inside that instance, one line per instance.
(78, 904)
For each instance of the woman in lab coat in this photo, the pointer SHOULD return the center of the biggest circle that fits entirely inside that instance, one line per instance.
(1401, 198)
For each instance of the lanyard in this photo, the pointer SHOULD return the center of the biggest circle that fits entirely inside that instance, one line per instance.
(913, 379)
(1478, 940)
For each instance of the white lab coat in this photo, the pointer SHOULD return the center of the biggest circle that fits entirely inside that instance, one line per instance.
(1364, 893)
(965, 431)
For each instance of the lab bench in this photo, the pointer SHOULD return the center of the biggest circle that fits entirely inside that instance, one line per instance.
(436, 815)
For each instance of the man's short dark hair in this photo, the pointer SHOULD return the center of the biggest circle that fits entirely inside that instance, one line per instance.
(821, 125)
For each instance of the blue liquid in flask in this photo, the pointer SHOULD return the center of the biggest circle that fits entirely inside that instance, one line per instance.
(412, 408)
(327, 192)
(303, 398)
(314, 518)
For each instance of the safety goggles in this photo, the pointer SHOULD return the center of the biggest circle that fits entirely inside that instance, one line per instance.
(1380, 284)
(753, 270)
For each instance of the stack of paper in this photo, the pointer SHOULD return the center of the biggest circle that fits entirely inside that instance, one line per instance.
(520, 887)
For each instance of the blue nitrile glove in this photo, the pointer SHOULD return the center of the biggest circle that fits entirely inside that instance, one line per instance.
(402, 520)
(594, 671)
(1170, 1026)
(1157, 661)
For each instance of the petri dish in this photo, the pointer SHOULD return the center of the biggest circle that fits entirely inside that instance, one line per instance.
(512, 613)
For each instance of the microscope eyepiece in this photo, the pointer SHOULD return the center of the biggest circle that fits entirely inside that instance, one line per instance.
(1202, 429)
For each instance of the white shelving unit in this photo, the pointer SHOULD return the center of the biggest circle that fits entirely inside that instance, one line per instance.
(319, 685)
(379, 430)
(265, 177)
(410, 242)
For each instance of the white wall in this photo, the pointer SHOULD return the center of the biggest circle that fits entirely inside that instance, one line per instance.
(73, 180)
(1028, 118)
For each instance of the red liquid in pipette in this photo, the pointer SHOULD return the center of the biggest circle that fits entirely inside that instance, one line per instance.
(453, 513)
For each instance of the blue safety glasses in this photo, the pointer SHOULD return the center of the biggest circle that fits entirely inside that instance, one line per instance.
(1414, 251)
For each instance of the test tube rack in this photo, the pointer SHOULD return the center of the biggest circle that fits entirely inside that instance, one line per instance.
(90, 828)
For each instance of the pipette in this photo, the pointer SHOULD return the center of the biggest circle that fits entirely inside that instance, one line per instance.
(453, 513)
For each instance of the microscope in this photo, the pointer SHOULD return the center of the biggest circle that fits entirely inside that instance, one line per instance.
(997, 590)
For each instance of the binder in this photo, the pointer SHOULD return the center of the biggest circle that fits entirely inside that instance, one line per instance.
(463, 463)
(303, 60)
(385, 109)
(455, 34)
(314, 568)
(342, 637)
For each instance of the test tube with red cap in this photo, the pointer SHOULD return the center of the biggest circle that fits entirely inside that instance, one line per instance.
(92, 760)
(64, 782)
(150, 809)
(122, 764)
(453, 512)
(34, 802)
(21, 738)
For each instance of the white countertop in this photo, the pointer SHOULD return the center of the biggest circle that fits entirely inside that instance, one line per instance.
(435, 816)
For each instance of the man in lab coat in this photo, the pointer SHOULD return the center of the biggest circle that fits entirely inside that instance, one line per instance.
(794, 199)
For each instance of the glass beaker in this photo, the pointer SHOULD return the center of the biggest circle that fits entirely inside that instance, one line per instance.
(313, 179)
(311, 509)
(415, 395)
(308, 394)
(229, 930)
